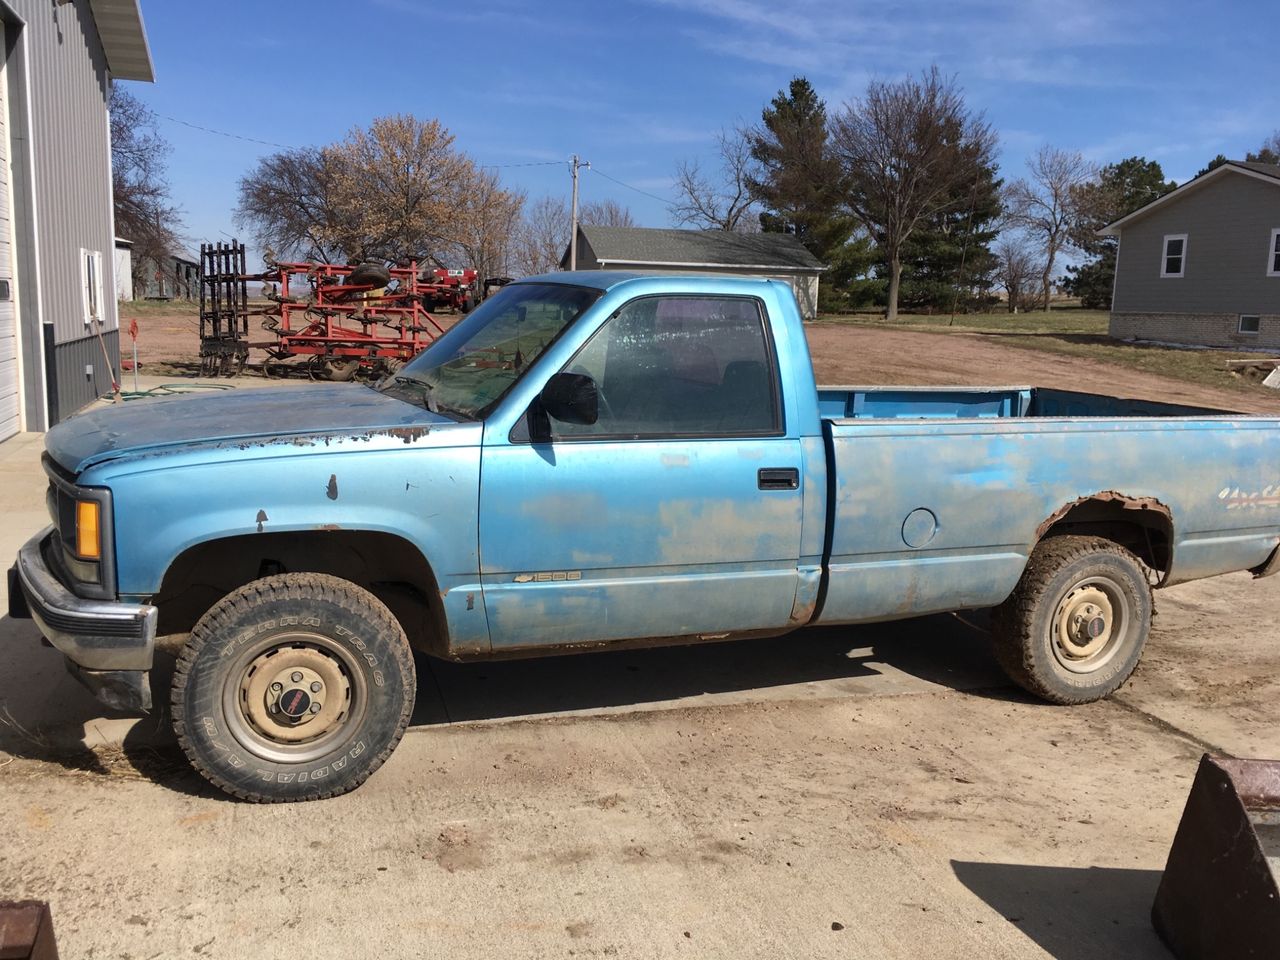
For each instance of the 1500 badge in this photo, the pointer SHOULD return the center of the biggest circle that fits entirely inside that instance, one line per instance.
(549, 576)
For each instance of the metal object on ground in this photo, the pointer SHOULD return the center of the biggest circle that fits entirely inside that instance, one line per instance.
(326, 319)
(224, 310)
(26, 931)
(1218, 897)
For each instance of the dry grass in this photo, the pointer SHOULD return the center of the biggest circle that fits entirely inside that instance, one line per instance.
(1081, 333)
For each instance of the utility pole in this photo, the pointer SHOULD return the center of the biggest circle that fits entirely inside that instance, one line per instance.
(574, 164)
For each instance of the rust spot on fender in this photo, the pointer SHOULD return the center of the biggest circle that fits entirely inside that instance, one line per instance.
(1139, 504)
(328, 527)
(407, 434)
(331, 491)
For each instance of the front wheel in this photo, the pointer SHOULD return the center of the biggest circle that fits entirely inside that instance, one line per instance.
(294, 687)
(1074, 628)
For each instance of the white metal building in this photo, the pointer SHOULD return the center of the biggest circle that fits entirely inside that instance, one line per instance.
(57, 245)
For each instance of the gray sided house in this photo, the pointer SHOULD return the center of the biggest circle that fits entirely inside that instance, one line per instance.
(1201, 265)
(775, 256)
(57, 262)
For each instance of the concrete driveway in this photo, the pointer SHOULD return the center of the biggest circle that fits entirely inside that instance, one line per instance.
(868, 792)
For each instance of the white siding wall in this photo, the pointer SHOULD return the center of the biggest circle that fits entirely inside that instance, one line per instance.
(66, 201)
(10, 396)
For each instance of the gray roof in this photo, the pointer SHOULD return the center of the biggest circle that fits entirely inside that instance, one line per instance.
(1269, 171)
(635, 246)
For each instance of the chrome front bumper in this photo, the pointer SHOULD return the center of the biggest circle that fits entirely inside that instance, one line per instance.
(109, 645)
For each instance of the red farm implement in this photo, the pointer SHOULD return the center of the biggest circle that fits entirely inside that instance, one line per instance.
(331, 320)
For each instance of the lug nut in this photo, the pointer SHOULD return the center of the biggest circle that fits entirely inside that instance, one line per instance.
(315, 708)
(277, 687)
(316, 686)
(296, 676)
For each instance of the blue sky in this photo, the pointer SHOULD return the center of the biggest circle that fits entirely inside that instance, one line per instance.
(634, 86)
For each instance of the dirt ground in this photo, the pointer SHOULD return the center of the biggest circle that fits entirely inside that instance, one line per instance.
(878, 791)
(842, 354)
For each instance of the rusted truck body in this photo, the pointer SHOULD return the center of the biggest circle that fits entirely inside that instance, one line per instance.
(597, 459)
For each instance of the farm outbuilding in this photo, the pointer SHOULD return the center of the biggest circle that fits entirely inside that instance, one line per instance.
(57, 246)
(774, 256)
(1201, 265)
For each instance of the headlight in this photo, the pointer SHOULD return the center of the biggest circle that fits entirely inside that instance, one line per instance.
(88, 529)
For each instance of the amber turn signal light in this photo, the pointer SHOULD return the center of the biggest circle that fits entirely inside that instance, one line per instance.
(88, 530)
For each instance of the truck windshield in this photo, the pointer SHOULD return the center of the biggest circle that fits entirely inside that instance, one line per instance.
(469, 369)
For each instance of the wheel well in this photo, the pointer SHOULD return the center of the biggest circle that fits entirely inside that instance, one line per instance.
(388, 566)
(1142, 525)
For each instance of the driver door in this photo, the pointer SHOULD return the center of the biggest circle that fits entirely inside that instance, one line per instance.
(676, 514)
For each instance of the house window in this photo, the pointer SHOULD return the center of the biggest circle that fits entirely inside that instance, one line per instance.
(91, 285)
(1175, 255)
(1273, 254)
(1249, 323)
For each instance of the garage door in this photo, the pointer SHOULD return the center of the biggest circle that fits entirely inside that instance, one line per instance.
(8, 320)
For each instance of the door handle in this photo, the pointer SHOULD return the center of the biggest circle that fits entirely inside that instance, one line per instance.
(778, 478)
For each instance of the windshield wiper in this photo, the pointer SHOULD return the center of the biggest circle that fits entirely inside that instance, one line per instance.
(427, 400)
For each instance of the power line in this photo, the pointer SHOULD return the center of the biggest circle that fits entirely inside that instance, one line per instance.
(646, 193)
(223, 133)
(285, 146)
(535, 163)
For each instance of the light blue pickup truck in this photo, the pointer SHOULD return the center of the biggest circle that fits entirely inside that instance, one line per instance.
(599, 459)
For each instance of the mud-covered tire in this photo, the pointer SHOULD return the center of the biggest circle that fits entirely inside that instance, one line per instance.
(325, 630)
(1043, 635)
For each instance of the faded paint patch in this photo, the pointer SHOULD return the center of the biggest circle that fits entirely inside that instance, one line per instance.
(767, 528)
(675, 460)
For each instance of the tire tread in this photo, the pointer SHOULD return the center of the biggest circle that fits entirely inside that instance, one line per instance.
(1012, 623)
(286, 586)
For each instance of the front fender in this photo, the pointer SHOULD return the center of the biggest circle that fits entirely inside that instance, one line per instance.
(424, 491)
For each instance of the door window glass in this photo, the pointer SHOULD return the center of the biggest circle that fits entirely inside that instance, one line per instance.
(680, 366)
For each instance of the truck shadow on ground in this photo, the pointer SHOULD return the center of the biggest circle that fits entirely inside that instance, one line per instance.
(880, 659)
(43, 711)
(1072, 913)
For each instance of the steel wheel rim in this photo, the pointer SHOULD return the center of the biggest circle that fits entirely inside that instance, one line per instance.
(343, 697)
(1091, 622)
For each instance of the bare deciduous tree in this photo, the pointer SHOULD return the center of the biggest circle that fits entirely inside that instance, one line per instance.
(144, 212)
(543, 235)
(725, 203)
(605, 213)
(908, 149)
(395, 191)
(487, 231)
(1017, 269)
(1045, 204)
(286, 203)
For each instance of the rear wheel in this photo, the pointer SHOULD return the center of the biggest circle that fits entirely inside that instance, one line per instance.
(294, 687)
(1075, 626)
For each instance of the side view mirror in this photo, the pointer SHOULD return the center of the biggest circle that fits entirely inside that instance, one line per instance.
(571, 398)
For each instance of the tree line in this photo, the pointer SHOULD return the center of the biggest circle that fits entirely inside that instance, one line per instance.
(898, 192)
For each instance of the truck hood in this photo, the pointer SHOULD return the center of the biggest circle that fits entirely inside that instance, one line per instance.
(322, 412)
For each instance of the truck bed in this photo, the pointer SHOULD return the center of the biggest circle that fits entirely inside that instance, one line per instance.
(940, 493)
(916, 403)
